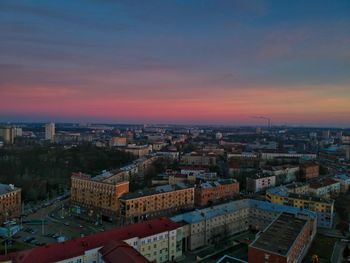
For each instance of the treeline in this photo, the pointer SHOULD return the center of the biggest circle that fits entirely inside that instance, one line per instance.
(43, 172)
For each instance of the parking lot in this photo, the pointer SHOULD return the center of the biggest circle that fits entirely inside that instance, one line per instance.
(50, 224)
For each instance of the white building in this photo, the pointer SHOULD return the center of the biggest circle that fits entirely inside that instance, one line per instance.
(260, 182)
(50, 132)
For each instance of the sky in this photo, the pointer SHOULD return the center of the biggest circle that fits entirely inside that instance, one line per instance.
(190, 62)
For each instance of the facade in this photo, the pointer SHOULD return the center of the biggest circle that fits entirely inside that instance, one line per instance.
(181, 178)
(272, 155)
(144, 162)
(211, 225)
(211, 192)
(138, 150)
(7, 133)
(286, 240)
(50, 132)
(326, 187)
(98, 195)
(157, 240)
(10, 202)
(344, 181)
(118, 141)
(260, 182)
(284, 173)
(198, 159)
(323, 207)
(157, 201)
(309, 170)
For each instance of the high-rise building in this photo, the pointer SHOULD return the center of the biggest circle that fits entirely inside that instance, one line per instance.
(6, 133)
(50, 131)
(346, 145)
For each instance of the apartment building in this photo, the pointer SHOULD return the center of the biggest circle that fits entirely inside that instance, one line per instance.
(97, 195)
(118, 141)
(50, 132)
(157, 201)
(287, 239)
(199, 159)
(309, 170)
(260, 182)
(211, 192)
(157, 240)
(270, 155)
(138, 150)
(284, 173)
(211, 225)
(10, 202)
(324, 208)
(344, 181)
(7, 133)
(326, 187)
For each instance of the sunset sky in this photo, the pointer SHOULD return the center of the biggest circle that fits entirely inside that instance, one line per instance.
(200, 62)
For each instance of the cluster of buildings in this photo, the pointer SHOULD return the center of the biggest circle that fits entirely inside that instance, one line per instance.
(199, 198)
(168, 239)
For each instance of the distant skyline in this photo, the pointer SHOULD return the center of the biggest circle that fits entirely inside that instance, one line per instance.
(186, 62)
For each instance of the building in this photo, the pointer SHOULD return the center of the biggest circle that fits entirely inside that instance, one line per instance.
(7, 133)
(50, 132)
(270, 155)
(210, 226)
(284, 173)
(157, 240)
(309, 170)
(198, 159)
(325, 187)
(97, 196)
(157, 201)
(212, 192)
(118, 141)
(286, 240)
(10, 202)
(181, 178)
(260, 182)
(346, 145)
(324, 208)
(344, 181)
(121, 251)
(137, 150)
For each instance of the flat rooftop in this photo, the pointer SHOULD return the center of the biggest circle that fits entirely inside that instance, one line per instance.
(155, 190)
(279, 237)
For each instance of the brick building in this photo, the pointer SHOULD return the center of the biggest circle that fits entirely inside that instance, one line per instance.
(309, 170)
(211, 192)
(97, 195)
(10, 202)
(157, 201)
(286, 240)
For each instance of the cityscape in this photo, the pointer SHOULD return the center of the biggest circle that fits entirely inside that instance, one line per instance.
(174, 131)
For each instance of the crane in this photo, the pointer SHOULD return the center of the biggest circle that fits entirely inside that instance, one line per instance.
(264, 118)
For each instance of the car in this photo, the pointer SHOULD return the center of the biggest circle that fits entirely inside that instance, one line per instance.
(81, 226)
(28, 239)
(66, 223)
(34, 242)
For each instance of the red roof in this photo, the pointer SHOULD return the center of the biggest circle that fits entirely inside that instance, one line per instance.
(119, 251)
(323, 183)
(75, 247)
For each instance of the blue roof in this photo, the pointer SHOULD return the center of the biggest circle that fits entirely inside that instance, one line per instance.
(212, 212)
